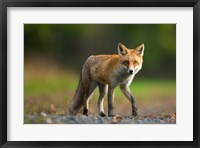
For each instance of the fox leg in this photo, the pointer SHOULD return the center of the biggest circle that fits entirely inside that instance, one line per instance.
(126, 91)
(102, 93)
(110, 101)
(88, 96)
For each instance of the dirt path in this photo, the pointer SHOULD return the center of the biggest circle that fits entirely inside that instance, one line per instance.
(155, 111)
(92, 119)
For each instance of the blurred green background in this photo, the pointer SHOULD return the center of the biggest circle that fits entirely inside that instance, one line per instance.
(54, 55)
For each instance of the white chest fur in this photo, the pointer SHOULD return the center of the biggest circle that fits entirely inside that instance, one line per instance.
(122, 78)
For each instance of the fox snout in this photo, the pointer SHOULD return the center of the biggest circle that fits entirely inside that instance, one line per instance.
(133, 70)
(130, 71)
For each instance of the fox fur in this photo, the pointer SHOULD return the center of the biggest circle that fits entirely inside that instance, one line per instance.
(107, 72)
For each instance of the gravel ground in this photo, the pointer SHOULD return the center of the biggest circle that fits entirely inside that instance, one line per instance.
(44, 118)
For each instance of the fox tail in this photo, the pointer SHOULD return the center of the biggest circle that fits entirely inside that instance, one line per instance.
(78, 99)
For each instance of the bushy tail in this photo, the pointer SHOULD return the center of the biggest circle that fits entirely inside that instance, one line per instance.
(82, 90)
(78, 99)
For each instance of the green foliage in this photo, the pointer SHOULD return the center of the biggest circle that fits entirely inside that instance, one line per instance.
(37, 86)
(71, 44)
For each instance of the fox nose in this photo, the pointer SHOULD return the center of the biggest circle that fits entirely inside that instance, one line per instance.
(130, 71)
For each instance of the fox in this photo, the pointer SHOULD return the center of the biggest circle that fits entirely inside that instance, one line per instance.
(107, 72)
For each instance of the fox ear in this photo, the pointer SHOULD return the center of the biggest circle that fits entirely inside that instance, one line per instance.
(140, 50)
(122, 50)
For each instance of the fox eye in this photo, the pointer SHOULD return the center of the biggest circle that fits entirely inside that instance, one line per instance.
(126, 62)
(135, 62)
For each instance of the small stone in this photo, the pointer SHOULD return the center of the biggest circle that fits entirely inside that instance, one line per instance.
(94, 118)
(162, 121)
(43, 114)
(108, 118)
(49, 121)
(114, 118)
(139, 121)
(31, 117)
(63, 117)
(83, 117)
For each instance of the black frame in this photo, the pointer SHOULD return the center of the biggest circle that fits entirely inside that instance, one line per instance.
(99, 3)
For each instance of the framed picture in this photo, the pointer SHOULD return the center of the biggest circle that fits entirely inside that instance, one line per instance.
(104, 73)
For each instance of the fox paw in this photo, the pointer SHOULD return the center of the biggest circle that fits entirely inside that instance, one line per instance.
(134, 113)
(85, 112)
(102, 114)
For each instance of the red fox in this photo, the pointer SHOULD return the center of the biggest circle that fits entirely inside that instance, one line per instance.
(107, 72)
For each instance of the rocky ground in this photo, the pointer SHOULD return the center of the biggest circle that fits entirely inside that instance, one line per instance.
(93, 119)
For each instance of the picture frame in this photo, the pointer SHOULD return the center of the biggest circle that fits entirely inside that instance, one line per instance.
(195, 4)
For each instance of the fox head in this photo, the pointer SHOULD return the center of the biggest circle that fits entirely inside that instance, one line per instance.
(131, 59)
